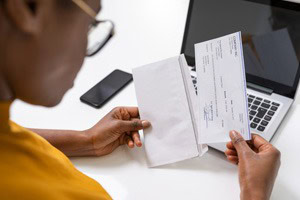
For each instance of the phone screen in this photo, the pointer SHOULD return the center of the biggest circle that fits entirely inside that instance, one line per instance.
(98, 95)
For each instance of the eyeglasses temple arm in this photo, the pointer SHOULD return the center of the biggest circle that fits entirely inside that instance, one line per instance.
(81, 4)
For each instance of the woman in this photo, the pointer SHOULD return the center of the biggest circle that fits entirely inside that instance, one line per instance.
(43, 45)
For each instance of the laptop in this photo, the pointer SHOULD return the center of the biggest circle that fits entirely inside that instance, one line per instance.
(271, 45)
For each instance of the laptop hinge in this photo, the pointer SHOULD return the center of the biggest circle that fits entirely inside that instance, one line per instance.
(259, 88)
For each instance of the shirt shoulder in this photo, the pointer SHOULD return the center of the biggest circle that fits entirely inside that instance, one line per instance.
(31, 168)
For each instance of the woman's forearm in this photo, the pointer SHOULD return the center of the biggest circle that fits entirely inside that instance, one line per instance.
(71, 143)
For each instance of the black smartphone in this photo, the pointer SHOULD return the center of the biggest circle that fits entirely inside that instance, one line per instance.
(98, 95)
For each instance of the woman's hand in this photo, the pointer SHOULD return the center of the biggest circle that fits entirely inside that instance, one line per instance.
(118, 127)
(258, 163)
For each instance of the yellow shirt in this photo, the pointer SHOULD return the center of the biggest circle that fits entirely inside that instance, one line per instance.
(31, 168)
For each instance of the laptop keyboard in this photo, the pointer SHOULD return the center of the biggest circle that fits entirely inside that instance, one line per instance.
(261, 111)
(194, 79)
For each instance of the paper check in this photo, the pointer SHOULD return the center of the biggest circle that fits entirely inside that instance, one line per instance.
(222, 89)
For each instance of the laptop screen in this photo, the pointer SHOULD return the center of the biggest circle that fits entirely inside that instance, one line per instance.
(270, 34)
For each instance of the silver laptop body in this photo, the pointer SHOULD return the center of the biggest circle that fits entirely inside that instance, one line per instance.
(271, 46)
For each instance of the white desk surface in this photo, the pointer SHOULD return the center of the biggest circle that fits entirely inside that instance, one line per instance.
(148, 31)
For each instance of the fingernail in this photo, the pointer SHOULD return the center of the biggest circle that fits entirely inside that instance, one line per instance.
(233, 134)
(146, 124)
(139, 144)
(131, 144)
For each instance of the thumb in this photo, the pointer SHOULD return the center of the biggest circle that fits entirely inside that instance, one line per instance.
(133, 125)
(239, 143)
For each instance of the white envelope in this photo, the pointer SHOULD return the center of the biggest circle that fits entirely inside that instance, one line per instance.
(166, 97)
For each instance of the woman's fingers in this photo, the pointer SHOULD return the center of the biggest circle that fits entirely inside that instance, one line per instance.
(229, 145)
(132, 138)
(239, 143)
(259, 142)
(230, 152)
(133, 125)
(128, 140)
(133, 111)
(136, 139)
(233, 159)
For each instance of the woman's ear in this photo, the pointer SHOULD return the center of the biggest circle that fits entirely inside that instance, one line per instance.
(24, 15)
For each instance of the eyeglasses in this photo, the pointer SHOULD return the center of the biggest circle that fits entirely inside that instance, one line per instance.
(100, 31)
